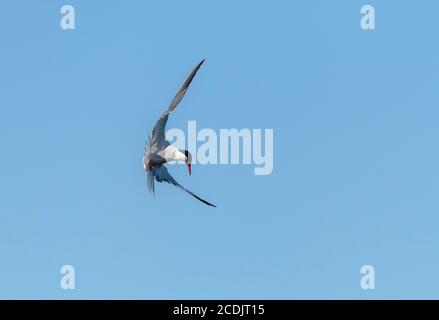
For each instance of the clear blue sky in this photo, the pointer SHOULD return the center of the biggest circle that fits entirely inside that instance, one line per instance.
(355, 118)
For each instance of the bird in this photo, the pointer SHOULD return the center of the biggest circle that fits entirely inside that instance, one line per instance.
(158, 150)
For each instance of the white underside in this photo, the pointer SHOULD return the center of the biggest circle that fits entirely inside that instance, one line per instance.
(172, 153)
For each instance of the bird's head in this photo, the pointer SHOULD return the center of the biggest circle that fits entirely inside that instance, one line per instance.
(188, 161)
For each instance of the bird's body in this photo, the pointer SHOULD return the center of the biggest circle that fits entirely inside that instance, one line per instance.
(158, 150)
(172, 153)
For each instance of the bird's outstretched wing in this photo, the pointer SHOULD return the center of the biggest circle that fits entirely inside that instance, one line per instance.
(161, 174)
(158, 133)
(181, 92)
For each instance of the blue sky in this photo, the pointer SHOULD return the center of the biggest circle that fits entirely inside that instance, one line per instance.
(355, 119)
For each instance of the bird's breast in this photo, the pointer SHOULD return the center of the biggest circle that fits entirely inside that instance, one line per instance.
(169, 153)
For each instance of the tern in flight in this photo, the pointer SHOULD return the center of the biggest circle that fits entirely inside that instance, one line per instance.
(158, 150)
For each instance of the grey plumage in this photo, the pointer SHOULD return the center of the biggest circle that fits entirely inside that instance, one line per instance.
(158, 133)
(161, 174)
(153, 160)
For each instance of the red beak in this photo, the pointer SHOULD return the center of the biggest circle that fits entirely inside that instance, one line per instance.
(189, 168)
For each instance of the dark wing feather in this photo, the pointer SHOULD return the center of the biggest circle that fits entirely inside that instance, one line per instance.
(158, 133)
(161, 174)
(181, 92)
(150, 182)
